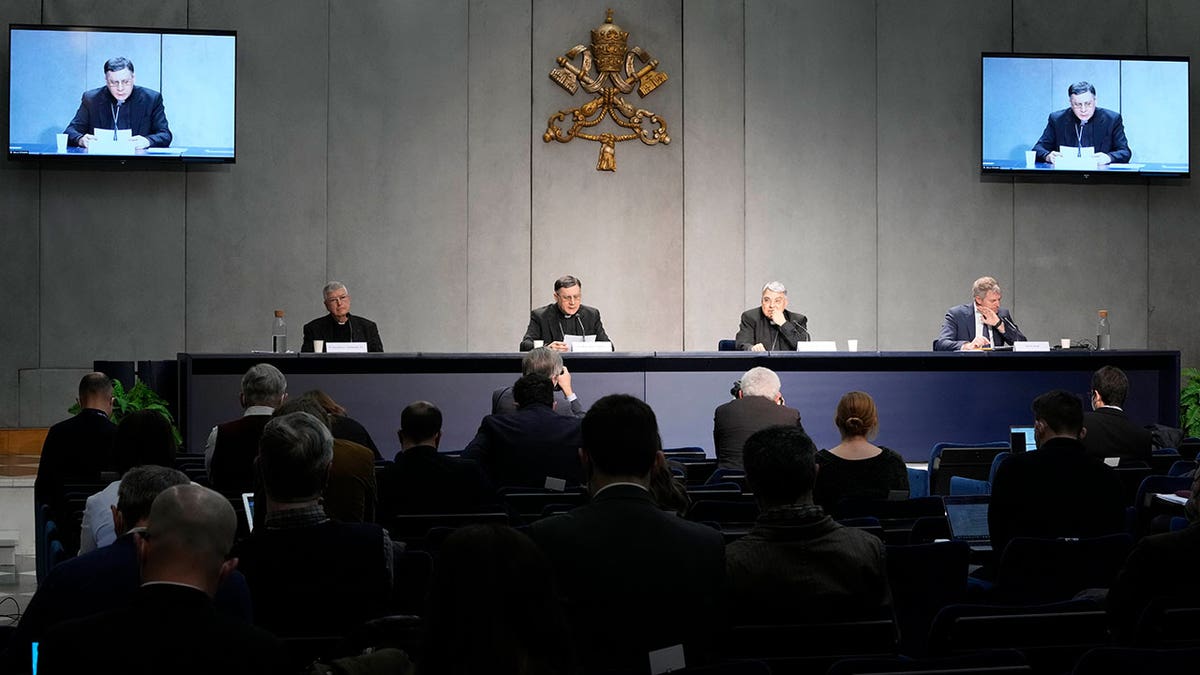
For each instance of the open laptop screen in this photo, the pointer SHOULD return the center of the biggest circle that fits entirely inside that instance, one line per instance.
(1022, 439)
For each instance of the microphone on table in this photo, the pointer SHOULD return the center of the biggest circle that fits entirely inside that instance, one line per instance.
(116, 116)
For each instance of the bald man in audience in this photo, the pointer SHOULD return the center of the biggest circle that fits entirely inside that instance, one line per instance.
(172, 625)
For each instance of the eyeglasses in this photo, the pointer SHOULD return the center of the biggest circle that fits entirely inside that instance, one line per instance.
(1083, 105)
(119, 83)
(337, 299)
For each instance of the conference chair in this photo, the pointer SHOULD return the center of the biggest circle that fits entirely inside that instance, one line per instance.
(918, 483)
(1146, 506)
(399, 631)
(1050, 636)
(969, 460)
(411, 574)
(960, 485)
(809, 648)
(924, 578)
(1133, 661)
(989, 662)
(1035, 570)
(727, 476)
(1181, 467)
(896, 517)
(1169, 622)
(723, 512)
(727, 345)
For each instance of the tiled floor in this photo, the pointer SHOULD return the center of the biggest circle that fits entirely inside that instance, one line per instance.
(16, 589)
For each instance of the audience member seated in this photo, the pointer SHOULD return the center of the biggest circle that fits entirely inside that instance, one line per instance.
(670, 494)
(231, 447)
(309, 575)
(524, 448)
(759, 404)
(1059, 490)
(341, 425)
(171, 624)
(76, 450)
(1110, 433)
(797, 565)
(493, 608)
(855, 467)
(144, 437)
(422, 480)
(350, 494)
(634, 577)
(108, 578)
(549, 363)
(1160, 566)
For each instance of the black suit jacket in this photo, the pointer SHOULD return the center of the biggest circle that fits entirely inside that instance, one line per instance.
(503, 402)
(142, 113)
(1055, 491)
(548, 324)
(634, 577)
(421, 480)
(522, 449)
(1160, 566)
(735, 421)
(76, 450)
(1105, 132)
(1111, 434)
(326, 328)
(168, 628)
(756, 328)
(104, 579)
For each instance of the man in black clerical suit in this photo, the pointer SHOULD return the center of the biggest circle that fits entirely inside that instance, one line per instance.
(565, 316)
(120, 104)
(1110, 433)
(1084, 125)
(422, 480)
(634, 577)
(1058, 490)
(524, 448)
(338, 325)
(772, 327)
(77, 449)
(171, 624)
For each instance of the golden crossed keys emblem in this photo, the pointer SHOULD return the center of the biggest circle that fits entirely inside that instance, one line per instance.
(612, 78)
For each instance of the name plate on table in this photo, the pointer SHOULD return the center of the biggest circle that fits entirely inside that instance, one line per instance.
(817, 346)
(590, 347)
(346, 347)
(1031, 346)
(1076, 159)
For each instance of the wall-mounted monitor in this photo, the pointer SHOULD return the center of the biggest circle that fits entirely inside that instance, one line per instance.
(1109, 116)
(80, 94)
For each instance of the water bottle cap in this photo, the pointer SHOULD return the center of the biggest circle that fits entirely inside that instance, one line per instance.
(1104, 312)
(279, 314)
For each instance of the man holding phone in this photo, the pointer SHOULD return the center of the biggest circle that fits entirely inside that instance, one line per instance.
(980, 324)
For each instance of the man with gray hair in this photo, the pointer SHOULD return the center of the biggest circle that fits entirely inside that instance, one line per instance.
(771, 326)
(184, 552)
(547, 362)
(759, 404)
(338, 325)
(298, 546)
(231, 447)
(980, 324)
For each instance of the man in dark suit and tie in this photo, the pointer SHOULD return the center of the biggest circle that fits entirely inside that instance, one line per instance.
(759, 404)
(422, 480)
(1110, 433)
(567, 315)
(524, 448)
(635, 578)
(1084, 125)
(171, 625)
(981, 324)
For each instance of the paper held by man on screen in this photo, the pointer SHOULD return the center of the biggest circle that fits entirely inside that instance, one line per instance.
(109, 143)
(1076, 159)
(586, 343)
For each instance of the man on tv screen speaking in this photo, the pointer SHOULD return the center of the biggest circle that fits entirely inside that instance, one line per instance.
(1084, 125)
(120, 104)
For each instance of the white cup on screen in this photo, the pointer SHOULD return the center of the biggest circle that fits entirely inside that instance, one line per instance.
(1030, 159)
(318, 346)
(851, 345)
(61, 140)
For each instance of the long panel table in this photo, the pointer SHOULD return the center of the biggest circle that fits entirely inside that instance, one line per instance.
(923, 397)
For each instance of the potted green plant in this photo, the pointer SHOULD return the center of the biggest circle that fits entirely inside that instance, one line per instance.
(1189, 402)
(140, 397)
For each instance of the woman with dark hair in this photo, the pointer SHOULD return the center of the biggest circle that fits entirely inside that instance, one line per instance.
(144, 437)
(856, 467)
(341, 425)
(493, 608)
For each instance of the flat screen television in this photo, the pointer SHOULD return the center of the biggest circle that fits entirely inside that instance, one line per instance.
(1109, 116)
(80, 94)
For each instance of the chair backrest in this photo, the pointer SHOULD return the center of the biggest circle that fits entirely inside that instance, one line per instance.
(969, 460)
(810, 647)
(1106, 660)
(1170, 622)
(726, 345)
(416, 526)
(1033, 570)
(918, 483)
(723, 511)
(924, 578)
(1181, 467)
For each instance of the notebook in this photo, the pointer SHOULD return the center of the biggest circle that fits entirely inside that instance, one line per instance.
(968, 518)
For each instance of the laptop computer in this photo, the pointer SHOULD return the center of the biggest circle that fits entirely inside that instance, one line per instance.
(967, 516)
(1021, 439)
